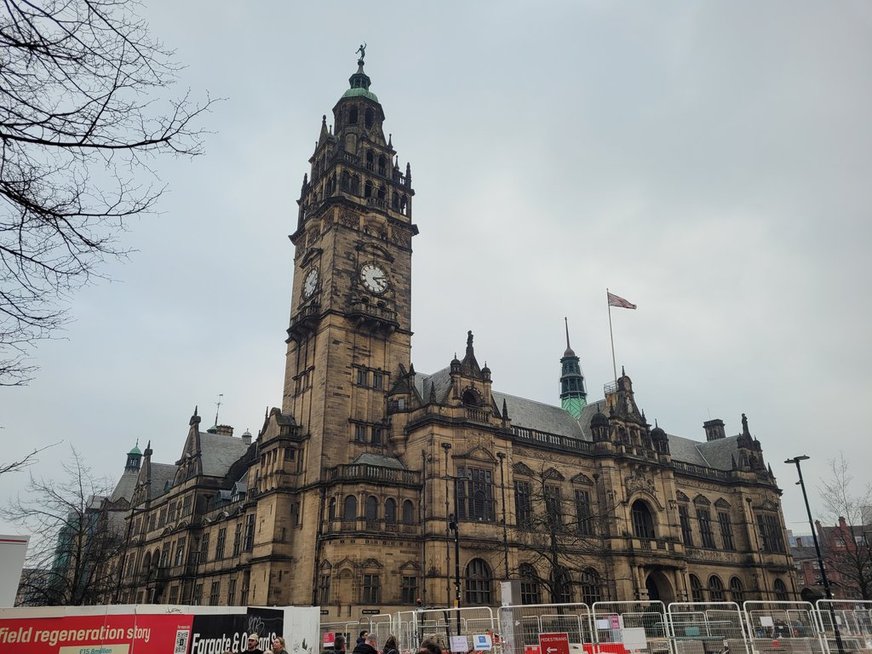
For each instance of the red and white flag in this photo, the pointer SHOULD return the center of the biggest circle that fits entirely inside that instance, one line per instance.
(618, 301)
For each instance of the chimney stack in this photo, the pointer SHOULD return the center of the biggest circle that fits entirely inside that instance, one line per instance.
(714, 429)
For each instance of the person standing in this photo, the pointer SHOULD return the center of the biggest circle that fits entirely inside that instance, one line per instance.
(366, 647)
(391, 646)
(278, 646)
(252, 646)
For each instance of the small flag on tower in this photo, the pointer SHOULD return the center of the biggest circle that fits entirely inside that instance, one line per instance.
(618, 301)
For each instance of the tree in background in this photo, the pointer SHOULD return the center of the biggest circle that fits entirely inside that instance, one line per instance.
(847, 545)
(74, 536)
(558, 532)
(83, 110)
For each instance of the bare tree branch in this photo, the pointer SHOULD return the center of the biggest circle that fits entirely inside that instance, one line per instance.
(83, 108)
(24, 462)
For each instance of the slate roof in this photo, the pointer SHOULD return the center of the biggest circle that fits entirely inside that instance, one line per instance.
(219, 452)
(125, 486)
(162, 475)
(531, 414)
(378, 460)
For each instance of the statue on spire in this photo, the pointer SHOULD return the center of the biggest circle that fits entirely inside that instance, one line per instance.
(362, 52)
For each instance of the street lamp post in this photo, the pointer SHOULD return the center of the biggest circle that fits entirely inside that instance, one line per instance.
(796, 461)
(452, 525)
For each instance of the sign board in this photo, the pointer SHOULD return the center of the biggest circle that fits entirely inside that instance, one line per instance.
(634, 638)
(554, 643)
(482, 642)
(12, 552)
(531, 649)
(459, 644)
(370, 611)
(329, 639)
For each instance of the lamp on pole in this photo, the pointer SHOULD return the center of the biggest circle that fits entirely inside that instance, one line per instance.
(452, 525)
(796, 461)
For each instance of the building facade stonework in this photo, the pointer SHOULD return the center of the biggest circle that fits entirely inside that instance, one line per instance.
(357, 492)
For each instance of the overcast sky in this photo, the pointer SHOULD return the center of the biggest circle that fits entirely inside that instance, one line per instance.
(709, 161)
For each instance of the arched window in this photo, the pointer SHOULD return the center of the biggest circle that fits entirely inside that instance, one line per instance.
(382, 165)
(146, 563)
(352, 116)
(395, 201)
(382, 192)
(349, 511)
(408, 513)
(591, 586)
(369, 160)
(696, 592)
(529, 584)
(478, 582)
(355, 184)
(368, 118)
(390, 511)
(780, 590)
(371, 512)
(716, 589)
(331, 509)
(345, 181)
(470, 398)
(367, 189)
(643, 525)
(736, 590)
(561, 586)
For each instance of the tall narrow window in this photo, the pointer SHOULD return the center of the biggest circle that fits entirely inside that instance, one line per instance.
(478, 582)
(371, 589)
(553, 508)
(780, 591)
(408, 512)
(408, 589)
(324, 589)
(214, 592)
(237, 539)
(349, 510)
(583, 512)
(561, 586)
(705, 527)
(726, 530)
(219, 543)
(523, 505)
(684, 520)
(770, 532)
(529, 585)
(696, 591)
(390, 511)
(737, 591)
(716, 589)
(249, 532)
(371, 512)
(643, 525)
(591, 586)
(474, 489)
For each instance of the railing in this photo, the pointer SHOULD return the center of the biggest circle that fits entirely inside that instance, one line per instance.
(701, 471)
(363, 524)
(478, 415)
(378, 203)
(374, 311)
(365, 472)
(551, 440)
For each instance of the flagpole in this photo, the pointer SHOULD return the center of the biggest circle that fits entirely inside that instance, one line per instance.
(611, 336)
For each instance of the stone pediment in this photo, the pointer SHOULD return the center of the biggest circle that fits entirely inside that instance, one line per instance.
(477, 453)
(702, 500)
(555, 474)
(681, 497)
(582, 478)
(721, 503)
(522, 469)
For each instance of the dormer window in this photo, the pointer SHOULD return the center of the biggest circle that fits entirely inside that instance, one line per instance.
(470, 397)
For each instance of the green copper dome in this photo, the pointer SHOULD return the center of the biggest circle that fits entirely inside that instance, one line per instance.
(360, 92)
(135, 450)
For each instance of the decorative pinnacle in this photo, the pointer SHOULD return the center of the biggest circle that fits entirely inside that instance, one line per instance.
(362, 52)
(566, 324)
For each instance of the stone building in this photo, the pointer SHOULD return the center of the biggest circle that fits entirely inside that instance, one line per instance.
(356, 492)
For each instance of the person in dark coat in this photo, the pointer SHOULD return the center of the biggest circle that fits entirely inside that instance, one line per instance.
(367, 647)
(362, 637)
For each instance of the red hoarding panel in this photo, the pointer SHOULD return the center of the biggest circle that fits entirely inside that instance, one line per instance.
(97, 634)
(554, 643)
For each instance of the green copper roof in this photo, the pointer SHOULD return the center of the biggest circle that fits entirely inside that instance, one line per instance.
(135, 450)
(360, 92)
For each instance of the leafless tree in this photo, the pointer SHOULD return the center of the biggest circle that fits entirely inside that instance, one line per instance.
(23, 462)
(84, 108)
(848, 546)
(559, 530)
(75, 536)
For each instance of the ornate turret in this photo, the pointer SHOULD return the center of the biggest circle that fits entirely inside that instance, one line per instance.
(572, 394)
(134, 458)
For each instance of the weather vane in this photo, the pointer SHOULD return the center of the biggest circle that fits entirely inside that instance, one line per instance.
(362, 51)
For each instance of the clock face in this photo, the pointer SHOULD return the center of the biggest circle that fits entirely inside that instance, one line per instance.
(310, 283)
(374, 279)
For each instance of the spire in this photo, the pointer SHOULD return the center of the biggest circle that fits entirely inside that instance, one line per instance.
(324, 133)
(573, 397)
(505, 410)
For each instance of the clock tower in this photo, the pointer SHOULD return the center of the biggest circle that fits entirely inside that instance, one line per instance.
(350, 325)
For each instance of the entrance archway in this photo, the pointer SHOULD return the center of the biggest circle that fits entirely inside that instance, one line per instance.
(659, 588)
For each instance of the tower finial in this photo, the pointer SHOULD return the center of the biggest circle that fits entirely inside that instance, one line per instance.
(362, 52)
(566, 324)
(218, 407)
